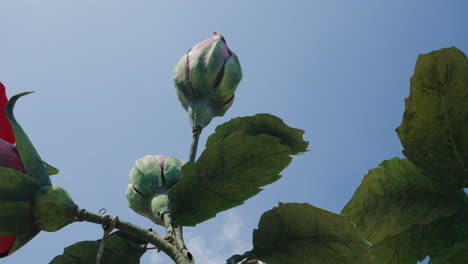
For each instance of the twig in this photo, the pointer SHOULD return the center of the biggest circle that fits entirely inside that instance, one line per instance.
(173, 252)
(176, 232)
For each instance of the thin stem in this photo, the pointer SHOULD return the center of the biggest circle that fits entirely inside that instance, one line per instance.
(179, 238)
(176, 232)
(168, 224)
(173, 252)
(193, 148)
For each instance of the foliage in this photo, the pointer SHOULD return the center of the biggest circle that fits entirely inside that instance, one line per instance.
(400, 211)
(396, 196)
(302, 233)
(119, 249)
(243, 155)
(434, 130)
(262, 124)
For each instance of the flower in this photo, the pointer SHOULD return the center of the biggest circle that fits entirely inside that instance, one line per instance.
(8, 155)
(206, 78)
(28, 201)
(150, 179)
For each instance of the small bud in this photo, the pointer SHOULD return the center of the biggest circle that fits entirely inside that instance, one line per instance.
(206, 78)
(150, 179)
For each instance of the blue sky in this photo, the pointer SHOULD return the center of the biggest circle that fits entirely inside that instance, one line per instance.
(102, 72)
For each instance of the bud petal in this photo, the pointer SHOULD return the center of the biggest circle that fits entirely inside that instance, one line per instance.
(139, 203)
(230, 80)
(206, 64)
(172, 171)
(30, 159)
(6, 132)
(182, 81)
(17, 186)
(146, 176)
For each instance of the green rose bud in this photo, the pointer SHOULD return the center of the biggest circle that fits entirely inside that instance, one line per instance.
(206, 78)
(150, 179)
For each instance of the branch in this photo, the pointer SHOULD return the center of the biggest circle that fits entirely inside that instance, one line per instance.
(151, 237)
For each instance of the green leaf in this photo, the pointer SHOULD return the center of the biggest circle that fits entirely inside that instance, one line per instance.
(396, 196)
(17, 186)
(404, 248)
(227, 173)
(302, 234)
(51, 170)
(445, 241)
(30, 159)
(238, 258)
(450, 246)
(435, 122)
(262, 124)
(119, 249)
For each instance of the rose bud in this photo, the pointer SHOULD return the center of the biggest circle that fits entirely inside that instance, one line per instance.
(28, 201)
(150, 179)
(206, 78)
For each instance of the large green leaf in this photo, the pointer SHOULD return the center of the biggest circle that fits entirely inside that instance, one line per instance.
(119, 249)
(262, 124)
(434, 130)
(30, 159)
(403, 248)
(303, 234)
(450, 246)
(445, 241)
(396, 196)
(17, 186)
(227, 173)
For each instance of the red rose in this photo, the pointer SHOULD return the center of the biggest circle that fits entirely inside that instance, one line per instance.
(8, 158)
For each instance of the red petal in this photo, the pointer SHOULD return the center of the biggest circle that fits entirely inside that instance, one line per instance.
(6, 132)
(6, 242)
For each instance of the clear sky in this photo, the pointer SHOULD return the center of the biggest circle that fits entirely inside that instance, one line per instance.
(102, 72)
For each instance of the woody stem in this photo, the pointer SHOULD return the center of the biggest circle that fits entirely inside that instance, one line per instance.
(147, 235)
(176, 231)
